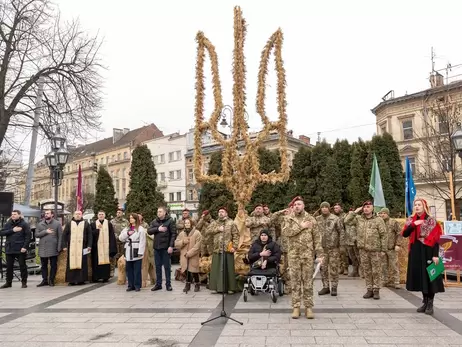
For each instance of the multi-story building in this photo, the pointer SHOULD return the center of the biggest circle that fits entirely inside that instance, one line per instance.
(113, 152)
(168, 153)
(408, 119)
(13, 179)
(193, 188)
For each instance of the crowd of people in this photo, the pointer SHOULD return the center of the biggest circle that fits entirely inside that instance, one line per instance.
(290, 239)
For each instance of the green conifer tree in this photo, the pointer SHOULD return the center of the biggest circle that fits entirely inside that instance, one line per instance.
(342, 155)
(144, 196)
(213, 195)
(331, 185)
(105, 194)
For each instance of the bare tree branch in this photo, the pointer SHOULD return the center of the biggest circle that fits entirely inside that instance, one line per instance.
(35, 44)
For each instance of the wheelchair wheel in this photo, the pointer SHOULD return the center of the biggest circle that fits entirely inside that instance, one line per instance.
(251, 291)
(245, 295)
(280, 288)
(273, 296)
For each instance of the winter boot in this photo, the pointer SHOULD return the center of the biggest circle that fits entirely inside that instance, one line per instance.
(345, 271)
(296, 313)
(376, 294)
(6, 285)
(197, 287)
(369, 294)
(324, 291)
(187, 287)
(333, 291)
(423, 308)
(354, 273)
(309, 313)
(429, 308)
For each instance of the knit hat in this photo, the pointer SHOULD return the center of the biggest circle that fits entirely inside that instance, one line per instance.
(385, 210)
(264, 231)
(325, 204)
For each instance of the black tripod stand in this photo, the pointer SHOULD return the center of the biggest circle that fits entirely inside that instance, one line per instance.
(224, 284)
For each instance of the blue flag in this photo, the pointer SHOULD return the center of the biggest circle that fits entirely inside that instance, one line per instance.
(410, 191)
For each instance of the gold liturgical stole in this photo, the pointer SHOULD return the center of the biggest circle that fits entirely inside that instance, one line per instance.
(76, 246)
(103, 243)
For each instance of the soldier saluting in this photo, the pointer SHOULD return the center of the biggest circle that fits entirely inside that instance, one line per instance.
(372, 245)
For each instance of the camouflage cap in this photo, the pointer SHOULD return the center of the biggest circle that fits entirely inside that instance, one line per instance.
(385, 210)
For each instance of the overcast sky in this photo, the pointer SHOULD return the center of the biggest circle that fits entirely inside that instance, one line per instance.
(341, 57)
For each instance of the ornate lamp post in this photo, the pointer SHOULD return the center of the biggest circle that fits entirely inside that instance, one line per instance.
(56, 160)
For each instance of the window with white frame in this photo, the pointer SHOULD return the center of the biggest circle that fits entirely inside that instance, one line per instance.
(190, 194)
(178, 174)
(443, 124)
(171, 196)
(408, 132)
(178, 196)
(171, 175)
(191, 174)
(171, 156)
(178, 155)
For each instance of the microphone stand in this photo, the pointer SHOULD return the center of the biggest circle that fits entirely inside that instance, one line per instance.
(224, 285)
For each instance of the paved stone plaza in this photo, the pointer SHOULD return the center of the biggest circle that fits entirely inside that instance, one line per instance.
(101, 315)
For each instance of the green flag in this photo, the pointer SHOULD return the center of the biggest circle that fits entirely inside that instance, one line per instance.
(375, 187)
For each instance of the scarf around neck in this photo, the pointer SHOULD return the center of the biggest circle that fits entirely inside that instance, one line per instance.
(429, 232)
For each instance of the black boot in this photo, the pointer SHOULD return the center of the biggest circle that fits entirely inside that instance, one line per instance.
(43, 283)
(429, 308)
(197, 287)
(422, 308)
(187, 287)
(6, 285)
(24, 284)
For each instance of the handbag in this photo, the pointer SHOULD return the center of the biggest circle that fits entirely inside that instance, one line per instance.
(180, 276)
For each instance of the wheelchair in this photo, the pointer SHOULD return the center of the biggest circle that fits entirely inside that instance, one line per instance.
(264, 281)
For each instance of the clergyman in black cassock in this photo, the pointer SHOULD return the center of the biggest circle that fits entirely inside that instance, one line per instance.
(77, 240)
(104, 247)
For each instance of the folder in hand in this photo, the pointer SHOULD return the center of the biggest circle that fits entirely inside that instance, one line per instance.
(435, 270)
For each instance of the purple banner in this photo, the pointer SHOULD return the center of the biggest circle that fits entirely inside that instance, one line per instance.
(451, 251)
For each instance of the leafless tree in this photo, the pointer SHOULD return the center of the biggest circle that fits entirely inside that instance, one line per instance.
(440, 120)
(36, 45)
(88, 201)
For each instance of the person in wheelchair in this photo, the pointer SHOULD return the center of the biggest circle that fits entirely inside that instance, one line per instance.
(264, 255)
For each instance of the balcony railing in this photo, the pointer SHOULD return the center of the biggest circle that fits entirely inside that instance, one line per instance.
(162, 184)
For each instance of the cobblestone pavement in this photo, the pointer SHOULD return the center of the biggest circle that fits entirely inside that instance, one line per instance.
(100, 315)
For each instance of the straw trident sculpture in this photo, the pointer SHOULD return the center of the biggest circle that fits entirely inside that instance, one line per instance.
(240, 173)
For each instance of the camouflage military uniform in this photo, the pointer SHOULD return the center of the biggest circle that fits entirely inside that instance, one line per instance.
(390, 259)
(352, 246)
(371, 240)
(344, 261)
(332, 237)
(206, 244)
(119, 223)
(303, 244)
(256, 224)
(279, 222)
(180, 226)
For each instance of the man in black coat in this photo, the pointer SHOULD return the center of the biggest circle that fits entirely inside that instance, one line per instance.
(104, 247)
(164, 230)
(264, 253)
(18, 236)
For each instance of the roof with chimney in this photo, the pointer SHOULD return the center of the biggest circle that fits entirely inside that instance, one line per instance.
(419, 95)
(120, 138)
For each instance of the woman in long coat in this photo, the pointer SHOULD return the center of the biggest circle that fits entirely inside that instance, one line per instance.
(424, 233)
(189, 243)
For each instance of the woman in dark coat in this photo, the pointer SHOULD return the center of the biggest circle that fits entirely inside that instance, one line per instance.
(424, 233)
(264, 253)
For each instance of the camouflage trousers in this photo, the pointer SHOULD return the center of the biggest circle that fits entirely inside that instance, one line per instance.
(390, 267)
(330, 266)
(284, 269)
(371, 263)
(120, 252)
(353, 253)
(343, 262)
(301, 280)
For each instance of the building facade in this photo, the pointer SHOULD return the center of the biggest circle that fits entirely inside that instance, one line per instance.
(114, 153)
(209, 146)
(168, 154)
(412, 121)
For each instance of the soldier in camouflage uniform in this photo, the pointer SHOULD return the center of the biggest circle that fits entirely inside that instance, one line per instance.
(332, 238)
(223, 232)
(180, 223)
(119, 223)
(352, 247)
(344, 260)
(304, 241)
(207, 241)
(257, 222)
(372, 244)
(390, 260)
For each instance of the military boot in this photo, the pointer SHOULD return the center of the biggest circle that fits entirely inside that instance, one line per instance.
(197, 287)
(429, 308)
(187, 287)
(324, 291)
(422, 308)
(6, 285)
(354, 273)
(309, 313)
(376, 294)
(333, 291)
(296, 313)
(369, 294)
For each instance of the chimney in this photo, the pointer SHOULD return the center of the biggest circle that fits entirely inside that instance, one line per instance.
(290, 133)
(126, 130)
(436, 80)
(117, 134)
(304, 139)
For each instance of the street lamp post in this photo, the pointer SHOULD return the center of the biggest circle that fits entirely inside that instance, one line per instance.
(457, 143)
(56, 160)
(228, 111)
